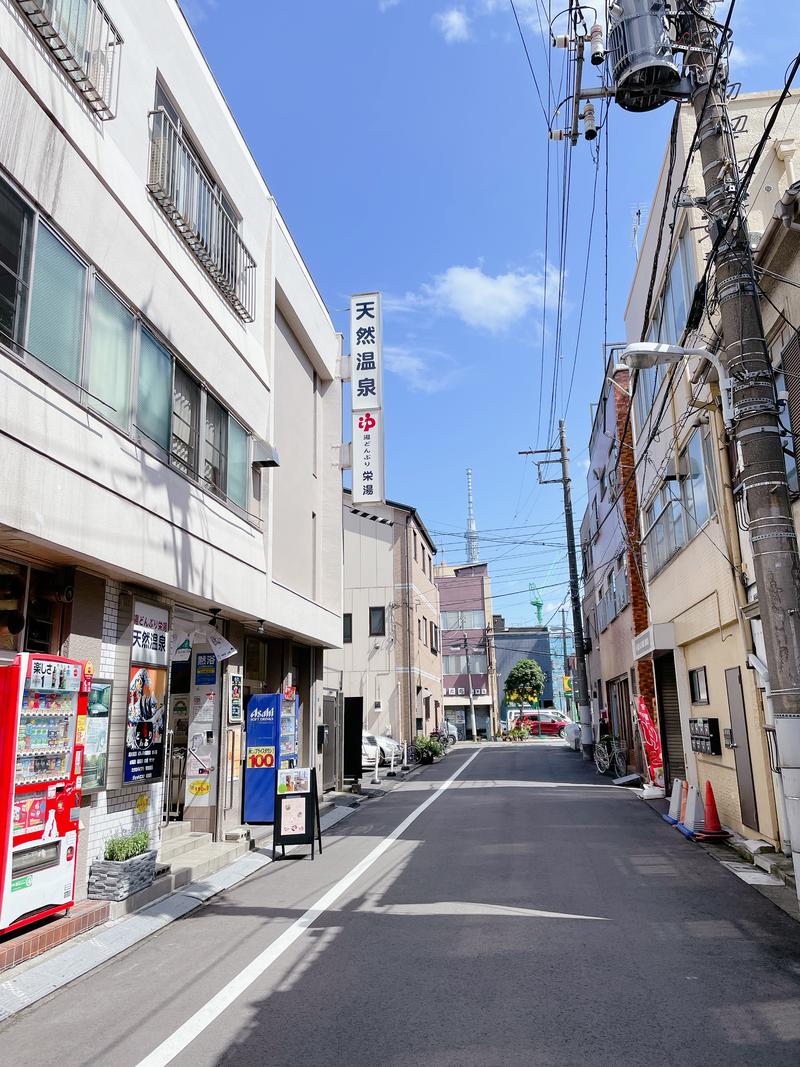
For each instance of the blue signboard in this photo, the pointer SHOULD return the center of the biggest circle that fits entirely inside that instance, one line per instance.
(261, 757)
(205, 669)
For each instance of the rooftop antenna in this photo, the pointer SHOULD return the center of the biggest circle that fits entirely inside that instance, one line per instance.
(471, 536)
(637, 224)
(536, 601)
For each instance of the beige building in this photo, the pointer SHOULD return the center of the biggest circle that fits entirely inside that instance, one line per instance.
(390, 661)
(703, 635)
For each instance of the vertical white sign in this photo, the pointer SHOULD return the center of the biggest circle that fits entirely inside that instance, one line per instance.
(366, 382)
(368, 485)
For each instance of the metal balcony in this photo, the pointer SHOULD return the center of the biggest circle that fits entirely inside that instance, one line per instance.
(84, 40)
(194, 207)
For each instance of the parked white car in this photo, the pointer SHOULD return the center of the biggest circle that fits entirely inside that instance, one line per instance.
(369, 750)
(388, 745)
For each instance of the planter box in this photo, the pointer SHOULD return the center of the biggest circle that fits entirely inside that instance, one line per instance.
(118, 879)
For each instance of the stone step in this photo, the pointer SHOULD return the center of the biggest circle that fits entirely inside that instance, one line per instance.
(779, 866)
(200, 862)
(173, 848)
(175, 829)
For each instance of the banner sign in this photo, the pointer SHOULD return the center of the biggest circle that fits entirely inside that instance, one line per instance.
(366, 390)
(235, 708)
(263, 715)
(652, 744)
(149, 637)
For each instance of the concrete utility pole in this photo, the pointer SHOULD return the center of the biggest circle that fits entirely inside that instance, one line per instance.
(756, 427)
(582, 695)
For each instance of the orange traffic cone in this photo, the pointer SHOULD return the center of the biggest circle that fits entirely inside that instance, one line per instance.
(711, 826)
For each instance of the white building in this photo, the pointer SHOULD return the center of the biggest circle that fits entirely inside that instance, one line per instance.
(162, 346)
(389, 667)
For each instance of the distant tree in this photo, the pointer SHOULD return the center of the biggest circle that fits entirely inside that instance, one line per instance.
(525, 682)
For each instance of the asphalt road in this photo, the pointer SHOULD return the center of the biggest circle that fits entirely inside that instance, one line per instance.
(529, 915)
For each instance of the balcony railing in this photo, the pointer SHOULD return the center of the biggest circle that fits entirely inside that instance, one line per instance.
(194, 207)
(84, 40)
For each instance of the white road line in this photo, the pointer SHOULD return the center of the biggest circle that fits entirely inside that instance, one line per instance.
(212, 1009)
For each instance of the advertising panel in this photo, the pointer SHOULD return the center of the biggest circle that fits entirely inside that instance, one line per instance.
(366, 396)
(92, 733)
(144, 732)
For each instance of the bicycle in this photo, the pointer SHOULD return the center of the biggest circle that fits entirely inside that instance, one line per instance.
(611, 754)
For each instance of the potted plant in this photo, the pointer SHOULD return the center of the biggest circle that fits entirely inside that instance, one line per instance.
(129, 864)
(429, 749)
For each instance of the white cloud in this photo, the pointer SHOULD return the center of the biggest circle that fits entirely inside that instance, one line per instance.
(424, 370)
(493, 302)
(384, 5)
(453, 24)
(740, 57)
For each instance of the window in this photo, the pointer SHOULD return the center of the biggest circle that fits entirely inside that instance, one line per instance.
(664, 527)
(347, 627)
(463, 620)
(155, 382)
(237, 463)
(698, 685)
(458, 664)
(697, 482)
(58, 302)
(15, 228)
(111, 358)
(414, 532)
(185, 421)
(790, 362)
(377, 622)
(434, 638)
(216, 446)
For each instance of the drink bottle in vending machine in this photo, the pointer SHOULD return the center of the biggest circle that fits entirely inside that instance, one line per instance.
(41, 768)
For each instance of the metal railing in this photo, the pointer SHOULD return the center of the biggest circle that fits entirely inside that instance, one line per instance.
(190, 201)
(85, 42)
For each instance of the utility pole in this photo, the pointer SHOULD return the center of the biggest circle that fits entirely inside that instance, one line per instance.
(564, 652)
(584, 708)
(756, 426)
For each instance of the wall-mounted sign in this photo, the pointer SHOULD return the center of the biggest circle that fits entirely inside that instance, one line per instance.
(205, 669)
(235, 706)
(149, 637)
(366, 389)
(92, 733)
(144, 731)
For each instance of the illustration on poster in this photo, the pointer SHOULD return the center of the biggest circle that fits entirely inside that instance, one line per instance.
(143, 708)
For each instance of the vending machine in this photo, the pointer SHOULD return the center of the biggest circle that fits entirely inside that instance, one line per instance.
(41, 698)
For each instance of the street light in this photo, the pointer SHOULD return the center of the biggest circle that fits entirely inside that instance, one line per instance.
(641, 355)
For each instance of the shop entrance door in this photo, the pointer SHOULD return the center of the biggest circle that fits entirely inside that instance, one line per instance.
(670, 718)
(353, 729)
(329, 742)
(741, 748)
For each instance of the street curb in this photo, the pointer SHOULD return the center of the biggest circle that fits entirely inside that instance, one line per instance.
(76, 960)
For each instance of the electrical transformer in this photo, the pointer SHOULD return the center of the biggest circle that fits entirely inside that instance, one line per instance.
(640, 54)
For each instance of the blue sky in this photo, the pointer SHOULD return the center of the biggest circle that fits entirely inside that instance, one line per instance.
(407, 149)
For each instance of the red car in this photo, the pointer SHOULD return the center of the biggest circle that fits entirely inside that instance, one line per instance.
(542, 723)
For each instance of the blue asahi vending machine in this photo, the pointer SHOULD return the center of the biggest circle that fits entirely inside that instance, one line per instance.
(272, 742)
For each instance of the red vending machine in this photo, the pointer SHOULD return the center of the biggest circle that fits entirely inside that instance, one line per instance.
(40, 785)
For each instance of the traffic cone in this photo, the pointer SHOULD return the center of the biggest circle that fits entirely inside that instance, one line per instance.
(674, 813)
(712, 827)
(694, 814)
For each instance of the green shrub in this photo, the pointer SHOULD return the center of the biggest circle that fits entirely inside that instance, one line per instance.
(429, 747)
(127, 846)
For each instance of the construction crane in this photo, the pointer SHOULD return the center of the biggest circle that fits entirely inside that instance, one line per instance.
(536, 601)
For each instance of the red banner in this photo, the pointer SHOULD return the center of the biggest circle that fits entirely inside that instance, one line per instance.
(652, 744)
